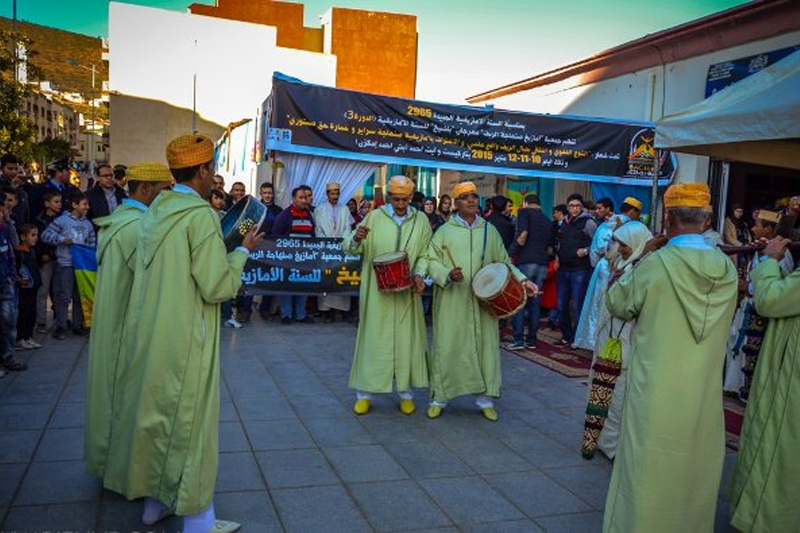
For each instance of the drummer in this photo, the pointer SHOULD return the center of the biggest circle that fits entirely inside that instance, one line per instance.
(465, 357)
(391, 348)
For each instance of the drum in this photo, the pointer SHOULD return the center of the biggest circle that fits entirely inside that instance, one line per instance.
(392, 271)
(502, 295)
(246, 214)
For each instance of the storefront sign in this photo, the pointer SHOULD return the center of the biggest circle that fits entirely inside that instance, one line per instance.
(721, 75)
(319, 120)
(301, 266)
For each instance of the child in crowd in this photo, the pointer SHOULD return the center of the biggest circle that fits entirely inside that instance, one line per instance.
(70, 228)
(8, 280)
(217, 201)
(46, 255)
(28, 282)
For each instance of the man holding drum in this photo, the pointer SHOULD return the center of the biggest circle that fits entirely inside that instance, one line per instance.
(465, 358)
(391, 347)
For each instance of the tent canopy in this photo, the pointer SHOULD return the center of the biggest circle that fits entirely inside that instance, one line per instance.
(757, 120)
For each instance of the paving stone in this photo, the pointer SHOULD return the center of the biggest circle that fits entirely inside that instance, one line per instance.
(338, 431)
(427, 458)
(11, 474)
(512, 526)
(17, 446)
(589, 482)
(333, 510)
(395, 428)
(398, 505)
(52, 517)
(259, 408)
(27, 393)
(227, 411)
(238, 472)
(470, 500)
(253, 510)
(120, 515)
(544, 452)
(59, 482)
(23, 416)
(573, 523)
(232, 438)
(487, 456)
(296, 468)
(277, 434)
(60, 445)
(536, 494)
(318, 405)
(358, 464)
(69, 415)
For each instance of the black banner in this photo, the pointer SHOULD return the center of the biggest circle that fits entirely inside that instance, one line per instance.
(301, 266)
(319, 120)
(721, 75)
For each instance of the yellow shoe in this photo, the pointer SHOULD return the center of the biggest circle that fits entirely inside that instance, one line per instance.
(490, 414)
(225, 526)
(434, 411)
(407, 407)
(361, 407)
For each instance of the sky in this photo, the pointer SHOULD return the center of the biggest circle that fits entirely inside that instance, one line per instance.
(465, 46)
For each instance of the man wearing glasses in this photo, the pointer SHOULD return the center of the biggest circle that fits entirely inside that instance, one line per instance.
(574, 264)
(106, 195)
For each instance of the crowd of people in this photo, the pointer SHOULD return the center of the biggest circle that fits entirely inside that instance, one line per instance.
(670, 319)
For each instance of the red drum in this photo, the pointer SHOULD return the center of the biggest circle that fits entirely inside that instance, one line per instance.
(392, 271)
(497, 289)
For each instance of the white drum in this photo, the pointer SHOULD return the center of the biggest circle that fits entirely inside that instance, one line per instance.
(497, 289)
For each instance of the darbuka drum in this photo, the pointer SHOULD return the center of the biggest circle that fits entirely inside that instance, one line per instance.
(502, 295)
(392, 271)
(246, 214)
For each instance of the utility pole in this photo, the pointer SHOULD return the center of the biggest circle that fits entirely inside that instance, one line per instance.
(94, 124)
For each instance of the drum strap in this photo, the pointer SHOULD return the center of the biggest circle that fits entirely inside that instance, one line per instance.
(485, 235)
(400, 234)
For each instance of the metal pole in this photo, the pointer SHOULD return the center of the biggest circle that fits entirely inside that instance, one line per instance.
(194, 103)
(654, 195)
(16, 46)
(94, 126)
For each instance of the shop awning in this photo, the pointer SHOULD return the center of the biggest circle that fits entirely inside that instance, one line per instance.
(757, 120)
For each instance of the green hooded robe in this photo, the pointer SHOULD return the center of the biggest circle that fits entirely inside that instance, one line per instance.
(392, 342)
(672, 436)
(465, 358)
(765, 489)
(116, 245)
(164, 439)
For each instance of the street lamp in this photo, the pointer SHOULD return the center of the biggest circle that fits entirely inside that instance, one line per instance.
(94, 123)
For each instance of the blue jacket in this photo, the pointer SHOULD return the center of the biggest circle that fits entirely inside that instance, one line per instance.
(65, 227)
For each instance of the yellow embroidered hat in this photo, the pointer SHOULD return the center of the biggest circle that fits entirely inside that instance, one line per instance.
(633, 202)
(189, 151)
(769, 216)
(400, 185)
(687, 195)
(464, 187)
(148, 171)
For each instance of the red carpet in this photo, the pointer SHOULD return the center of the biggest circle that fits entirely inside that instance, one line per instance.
(562, 359)
(734, 418)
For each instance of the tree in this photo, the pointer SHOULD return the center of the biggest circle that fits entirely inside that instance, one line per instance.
(52, 150)
(17, 133)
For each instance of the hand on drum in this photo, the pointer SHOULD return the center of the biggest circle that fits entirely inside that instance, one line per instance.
(419, 285)
(253, 240)
(456, 274)
(361, 233)
(530, 288)
(776, 248)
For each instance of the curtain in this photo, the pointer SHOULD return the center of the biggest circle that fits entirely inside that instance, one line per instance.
(316, 172)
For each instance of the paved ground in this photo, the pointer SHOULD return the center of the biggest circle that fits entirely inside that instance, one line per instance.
(294, 458)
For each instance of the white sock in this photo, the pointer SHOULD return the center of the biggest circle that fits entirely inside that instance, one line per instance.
(484, 402)
(202, 522)
(363, 395)
(406, 394)
(438, 403)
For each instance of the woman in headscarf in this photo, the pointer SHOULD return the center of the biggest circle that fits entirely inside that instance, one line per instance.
(429, 207)
(601, 430)
(445, 205)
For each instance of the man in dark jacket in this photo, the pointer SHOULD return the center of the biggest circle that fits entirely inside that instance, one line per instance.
(58, 180)
(574, 265)
(10, 169)
(106, 195)
(500, 218)
(534, 237)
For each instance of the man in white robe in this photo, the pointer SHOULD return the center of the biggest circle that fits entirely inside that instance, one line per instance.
(333, 221)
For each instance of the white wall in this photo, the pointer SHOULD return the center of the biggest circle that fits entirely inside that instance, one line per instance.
(645, 95)
(154, 54)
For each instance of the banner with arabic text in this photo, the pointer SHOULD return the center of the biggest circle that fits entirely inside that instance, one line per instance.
(318, 120)
(301, 266)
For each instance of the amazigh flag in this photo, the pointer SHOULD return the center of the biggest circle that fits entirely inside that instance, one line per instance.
(84, 262)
